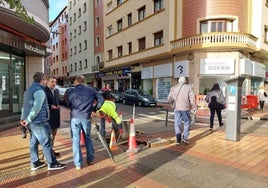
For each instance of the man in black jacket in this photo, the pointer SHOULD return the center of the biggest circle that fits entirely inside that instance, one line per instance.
(81, 101)
(53, 102)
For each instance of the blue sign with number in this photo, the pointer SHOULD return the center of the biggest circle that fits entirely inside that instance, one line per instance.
(232, 90)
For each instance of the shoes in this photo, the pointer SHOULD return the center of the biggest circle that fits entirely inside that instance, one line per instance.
(210, 128)
(78, 168)
(56, 166)
(90, 162)
(38, 165)
(185, 142)
(178, 143)
(23, 132)
(221, 124)
(56, 154)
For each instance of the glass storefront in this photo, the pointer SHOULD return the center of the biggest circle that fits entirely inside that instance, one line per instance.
(11, 83)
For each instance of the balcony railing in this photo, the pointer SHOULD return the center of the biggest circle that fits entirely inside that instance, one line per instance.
(210, 40)
(95, 68)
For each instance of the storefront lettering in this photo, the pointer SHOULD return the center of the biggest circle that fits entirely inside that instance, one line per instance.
(35, 49)
(219, 67)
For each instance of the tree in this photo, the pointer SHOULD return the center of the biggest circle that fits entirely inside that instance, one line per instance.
(19, 9)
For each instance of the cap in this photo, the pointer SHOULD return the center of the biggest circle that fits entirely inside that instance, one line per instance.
(182, 80)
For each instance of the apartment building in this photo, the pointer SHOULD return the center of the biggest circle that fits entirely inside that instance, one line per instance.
(81, 39)
(58, 60)
(22, 52)
(150, 44)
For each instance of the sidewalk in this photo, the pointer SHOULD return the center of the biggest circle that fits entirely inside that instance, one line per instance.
(208, 161)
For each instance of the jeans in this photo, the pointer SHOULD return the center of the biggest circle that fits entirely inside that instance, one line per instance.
(212, 114)
(84, 125)
(40, 133)
(179, 116)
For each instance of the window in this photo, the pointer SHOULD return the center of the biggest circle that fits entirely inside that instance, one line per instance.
(119, 25)
(85, 44)
(97, 2)
(71, 68)
(129, 19)
(75, 50)
(80, 47)
(141, 13)
(110, 54)
(70, 21)
(85, 25)
(119, 2)
(216, 26)
(71, 36)
(71, 52)
(57, 45)
(109, 6)
(80, 65)
(119, 51)
(158, 5)
(84, 7)
(85, 63)
(129, 47)
(75, 66)
(97, 41)
(110, 30)
(74, 17)
(97, 21)
(79, 12)
(158, 38)
(142, 43)
(74, 33)
(266, 34)
(79, 30)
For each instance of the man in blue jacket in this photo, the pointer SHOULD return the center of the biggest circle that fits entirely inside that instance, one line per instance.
(35, 116)
(81, 100)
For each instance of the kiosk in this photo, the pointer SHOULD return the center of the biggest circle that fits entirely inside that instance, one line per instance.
(233, 103)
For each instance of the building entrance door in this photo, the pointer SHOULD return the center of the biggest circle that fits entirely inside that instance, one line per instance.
(5, 89)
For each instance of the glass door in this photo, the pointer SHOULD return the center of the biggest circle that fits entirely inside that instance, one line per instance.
(5, 99)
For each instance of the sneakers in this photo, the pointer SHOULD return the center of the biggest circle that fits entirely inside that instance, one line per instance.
(90, 162)
(56, 166)
(78, 168)
(185, 142)
(38, 165)
(221, 124)
(56, 153)
(178, 143)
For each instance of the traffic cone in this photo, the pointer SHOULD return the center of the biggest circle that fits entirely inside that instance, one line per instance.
(113, 145)
(120, 113)
(82, 139)
(132, 142)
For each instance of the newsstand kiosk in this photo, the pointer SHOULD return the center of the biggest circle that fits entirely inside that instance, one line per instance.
(233, 108)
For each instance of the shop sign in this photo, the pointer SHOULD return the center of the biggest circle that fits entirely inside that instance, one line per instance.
(217, 66)
(147, 73)
(181, 68)
(164, 70)
(246, 67)
(34, 48)
(259, 70)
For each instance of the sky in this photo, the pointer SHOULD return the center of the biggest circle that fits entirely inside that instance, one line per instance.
(56, 7)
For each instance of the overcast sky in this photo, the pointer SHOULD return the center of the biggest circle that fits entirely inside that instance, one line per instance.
(56, 7)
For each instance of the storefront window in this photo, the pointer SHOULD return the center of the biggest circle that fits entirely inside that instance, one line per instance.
(163, 86)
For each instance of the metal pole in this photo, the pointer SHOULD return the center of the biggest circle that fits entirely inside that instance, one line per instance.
(167, 117)
(133, 113)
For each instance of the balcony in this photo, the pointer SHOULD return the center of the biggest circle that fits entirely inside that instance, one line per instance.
(229, 40)
(95, 68)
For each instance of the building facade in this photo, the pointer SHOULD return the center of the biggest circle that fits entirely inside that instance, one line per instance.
(81, 39)
(150, 44)
(57, 62)
(22, 52)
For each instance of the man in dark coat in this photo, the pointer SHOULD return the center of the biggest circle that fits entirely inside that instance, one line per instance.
(53, 102)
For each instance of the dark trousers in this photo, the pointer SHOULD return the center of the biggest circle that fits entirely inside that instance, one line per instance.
(212, 114)
(261, 104)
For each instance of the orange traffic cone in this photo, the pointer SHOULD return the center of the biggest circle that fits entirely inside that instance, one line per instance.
(132, 142)
(120, 115)
(113, 145)
(82, 139)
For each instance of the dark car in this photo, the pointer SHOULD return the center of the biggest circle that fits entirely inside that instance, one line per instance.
(118, 96)
(63, 94)
(139, 97)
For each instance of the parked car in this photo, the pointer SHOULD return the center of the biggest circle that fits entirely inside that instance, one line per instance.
(63, 94)
(118, 96)
(139, 97)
